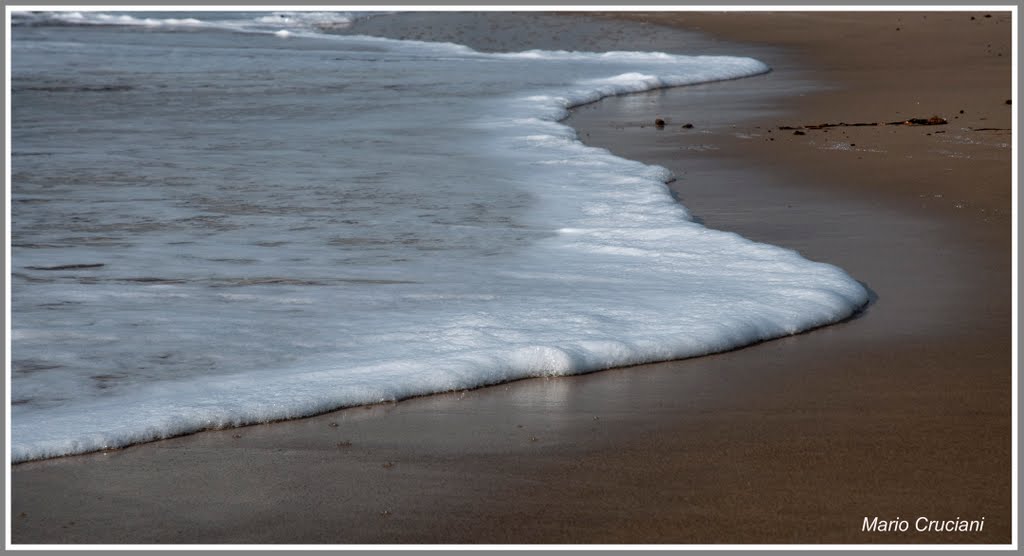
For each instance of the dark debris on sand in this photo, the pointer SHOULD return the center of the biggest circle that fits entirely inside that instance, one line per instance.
(934, 120)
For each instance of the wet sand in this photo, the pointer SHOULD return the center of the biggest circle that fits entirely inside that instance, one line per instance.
(900, 413)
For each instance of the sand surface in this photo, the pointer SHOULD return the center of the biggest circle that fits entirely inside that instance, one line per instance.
(900, 413)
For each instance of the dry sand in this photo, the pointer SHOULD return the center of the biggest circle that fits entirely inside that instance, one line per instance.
(902, 412)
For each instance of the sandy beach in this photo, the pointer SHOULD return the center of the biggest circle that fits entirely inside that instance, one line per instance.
(901, 413)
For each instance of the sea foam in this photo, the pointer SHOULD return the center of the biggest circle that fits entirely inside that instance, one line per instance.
(246, 229)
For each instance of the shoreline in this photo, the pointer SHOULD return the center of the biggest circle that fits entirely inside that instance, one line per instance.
(743, 446)
(920, 214)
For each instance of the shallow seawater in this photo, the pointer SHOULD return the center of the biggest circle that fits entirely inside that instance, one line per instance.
(220, 219)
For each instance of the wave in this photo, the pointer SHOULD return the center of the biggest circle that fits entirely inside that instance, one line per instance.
(274, 22)
(619, 273)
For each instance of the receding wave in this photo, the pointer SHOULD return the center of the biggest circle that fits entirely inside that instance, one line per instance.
(238, 239)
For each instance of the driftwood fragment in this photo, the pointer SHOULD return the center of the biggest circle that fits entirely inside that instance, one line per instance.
(823, 126)
(934, 120)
